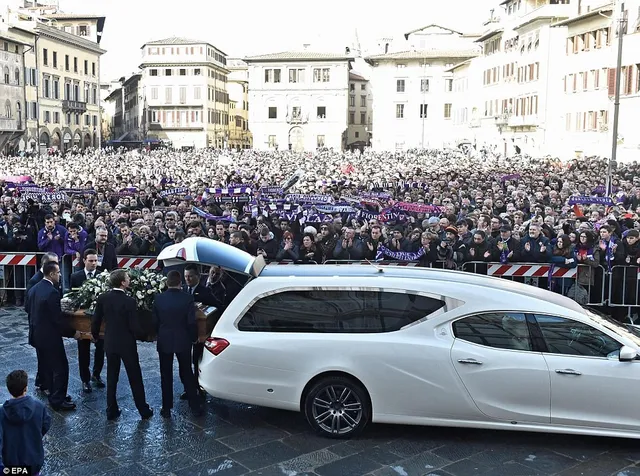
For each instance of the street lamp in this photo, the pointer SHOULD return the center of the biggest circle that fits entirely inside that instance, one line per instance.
(616, 101)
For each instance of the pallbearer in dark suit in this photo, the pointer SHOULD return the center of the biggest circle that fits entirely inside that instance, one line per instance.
(90, 258)
(120, 317)
(201, 294)
(46, 258)
(174, 314)
(49, 327)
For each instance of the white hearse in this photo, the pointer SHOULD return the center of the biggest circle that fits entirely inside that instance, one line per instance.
(348, 344)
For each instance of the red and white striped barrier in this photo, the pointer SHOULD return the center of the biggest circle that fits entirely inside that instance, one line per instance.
(18, 259)
(529, 271)
(130, 262)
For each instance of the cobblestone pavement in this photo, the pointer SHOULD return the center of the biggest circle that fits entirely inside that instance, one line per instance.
(233, 439)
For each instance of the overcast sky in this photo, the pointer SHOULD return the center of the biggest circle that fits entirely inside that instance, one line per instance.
(257, 26)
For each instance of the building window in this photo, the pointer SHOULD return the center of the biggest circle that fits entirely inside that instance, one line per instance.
(95, 95)
(273, 112)
(45, 57)
(66, 62)
(400, 85)
(75, 65)
(363, 118)
(153, 72)
(447, 111)
(47, 117)
(197, 72)
(46, 87)
(56, 118)
(87, 120)
(17, 76)
(6, 75)
(183, 95)
(167, 95)
(357, 134)
(56, 88)
(399, 111)
(363, 101)
(321, 75)
(322, 112)
(196, 92)
(95, 121)
(352, 101)
(55, 59)
(423, 111)
(448, 85)
(67, 91)
(167, 72)
(183, 72)
(86, 68)
(296, 75)
(363, 87)
(77, 119)
(352, 118)
(352, 87)
(272, 75)
(93, 69)
(272, 141)
(154, 93)
(320, 141)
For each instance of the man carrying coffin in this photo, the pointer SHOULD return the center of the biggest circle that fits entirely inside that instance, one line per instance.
(49, 327)
(119, 313)
(90, 259)
(174, 316)
(201, 294)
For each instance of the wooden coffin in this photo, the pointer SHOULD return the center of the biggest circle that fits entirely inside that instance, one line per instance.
(205, 318)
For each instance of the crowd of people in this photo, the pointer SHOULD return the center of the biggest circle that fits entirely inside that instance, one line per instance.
(428, 206)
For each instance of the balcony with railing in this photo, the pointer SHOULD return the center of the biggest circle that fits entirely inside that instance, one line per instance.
(74, 106)
(9, 57)
(10, 125)
(522, 121)
(297, 117)
(539, 9)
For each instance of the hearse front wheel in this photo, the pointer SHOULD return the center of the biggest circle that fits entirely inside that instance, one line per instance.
(337, 407)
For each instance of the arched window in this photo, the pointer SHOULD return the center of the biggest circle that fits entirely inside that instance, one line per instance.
(7, 109)
(19, 114)
(17, 76)
(6, 75)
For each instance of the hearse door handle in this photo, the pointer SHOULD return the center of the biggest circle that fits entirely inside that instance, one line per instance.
(470, 361)
(568, 372)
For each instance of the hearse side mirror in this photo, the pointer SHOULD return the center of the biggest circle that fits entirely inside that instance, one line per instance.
(627, 354)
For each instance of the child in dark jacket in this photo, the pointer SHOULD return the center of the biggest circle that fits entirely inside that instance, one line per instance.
(23, 423)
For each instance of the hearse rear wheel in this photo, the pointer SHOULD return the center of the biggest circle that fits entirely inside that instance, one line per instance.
(337, 407)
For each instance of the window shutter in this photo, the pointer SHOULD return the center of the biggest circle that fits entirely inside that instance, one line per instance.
(611, 82)
(629, 81)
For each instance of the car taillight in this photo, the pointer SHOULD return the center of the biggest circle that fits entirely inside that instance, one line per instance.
(215, 345)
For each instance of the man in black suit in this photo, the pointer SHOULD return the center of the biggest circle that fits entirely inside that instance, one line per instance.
(174, 315)
(201, 294)
(107, 258)
(90, 259)
(35, 279)
(120, 317)
(49, 327)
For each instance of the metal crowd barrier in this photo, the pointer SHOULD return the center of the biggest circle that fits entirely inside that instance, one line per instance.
(584, 283)
(16, 269)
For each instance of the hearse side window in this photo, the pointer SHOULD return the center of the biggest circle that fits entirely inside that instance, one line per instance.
(500, 330)
(569, 337)
(337, 311)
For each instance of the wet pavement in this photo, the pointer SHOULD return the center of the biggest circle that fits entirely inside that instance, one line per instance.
(233, 439)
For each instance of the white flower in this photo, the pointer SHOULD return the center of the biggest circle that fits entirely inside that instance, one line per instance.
(139, 295)
(150, 291)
